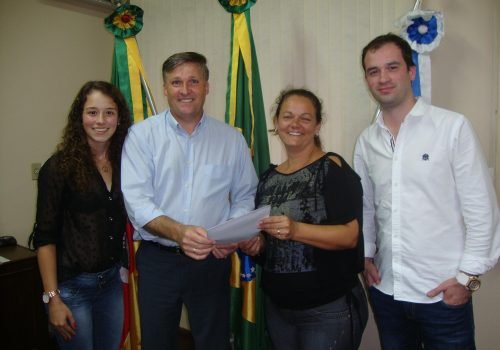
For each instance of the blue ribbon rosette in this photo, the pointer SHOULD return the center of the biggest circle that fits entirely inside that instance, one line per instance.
(423, 30)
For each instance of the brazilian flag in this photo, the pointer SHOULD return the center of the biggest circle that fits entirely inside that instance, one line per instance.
(245, 111)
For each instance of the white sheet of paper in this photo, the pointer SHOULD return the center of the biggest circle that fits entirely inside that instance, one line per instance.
(240, 228)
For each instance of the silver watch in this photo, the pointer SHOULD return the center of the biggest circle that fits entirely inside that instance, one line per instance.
(46, 296)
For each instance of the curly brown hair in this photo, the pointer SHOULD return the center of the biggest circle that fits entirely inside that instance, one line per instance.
(76, 156)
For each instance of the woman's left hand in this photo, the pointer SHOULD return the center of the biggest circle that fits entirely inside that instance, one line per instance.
(280, 227)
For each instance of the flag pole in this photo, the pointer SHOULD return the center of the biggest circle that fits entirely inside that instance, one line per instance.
(149, 96)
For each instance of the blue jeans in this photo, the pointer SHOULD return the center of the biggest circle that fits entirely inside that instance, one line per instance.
(337, 325)
(403, 325)
(96, 301)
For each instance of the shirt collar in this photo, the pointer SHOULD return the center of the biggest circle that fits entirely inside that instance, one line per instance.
(174, 124)
(419, 109)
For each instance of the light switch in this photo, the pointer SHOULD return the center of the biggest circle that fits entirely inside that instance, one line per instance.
(35, 169)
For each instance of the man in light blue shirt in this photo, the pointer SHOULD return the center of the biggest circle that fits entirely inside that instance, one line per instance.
(182, 173)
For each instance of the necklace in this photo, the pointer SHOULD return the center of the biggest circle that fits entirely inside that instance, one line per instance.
(103, 164)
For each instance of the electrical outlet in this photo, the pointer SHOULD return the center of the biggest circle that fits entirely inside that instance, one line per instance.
(35, 169)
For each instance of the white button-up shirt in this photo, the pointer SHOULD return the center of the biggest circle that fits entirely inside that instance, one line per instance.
(430, 208)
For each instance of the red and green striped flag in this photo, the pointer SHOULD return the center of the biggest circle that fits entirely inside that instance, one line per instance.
(129, 76)
(245, 111)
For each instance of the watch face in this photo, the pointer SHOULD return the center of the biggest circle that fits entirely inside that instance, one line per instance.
(45, 298)
(474, 284)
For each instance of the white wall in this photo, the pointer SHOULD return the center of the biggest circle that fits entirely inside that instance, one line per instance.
(48, 50)
(51, 47)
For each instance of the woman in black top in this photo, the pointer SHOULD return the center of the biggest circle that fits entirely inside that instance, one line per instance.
(80, 222)
(312, 247)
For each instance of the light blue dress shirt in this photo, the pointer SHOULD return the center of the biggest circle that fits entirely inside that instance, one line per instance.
(201, 179)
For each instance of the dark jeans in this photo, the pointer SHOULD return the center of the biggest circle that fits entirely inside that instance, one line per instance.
(166, 281)
(437, 326)
(337, 325)
(96, 302)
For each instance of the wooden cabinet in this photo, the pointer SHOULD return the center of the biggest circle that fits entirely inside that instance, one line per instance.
(23, 322)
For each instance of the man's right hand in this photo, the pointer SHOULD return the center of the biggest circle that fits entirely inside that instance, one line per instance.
(371, 274)
(193, 240)
(195, 243)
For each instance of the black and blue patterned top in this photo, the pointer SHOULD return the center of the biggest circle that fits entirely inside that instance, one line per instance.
(297, 275)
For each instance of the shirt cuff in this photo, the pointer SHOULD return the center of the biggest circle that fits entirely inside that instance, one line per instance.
(370, 249)
(143, 217)
(475, 265)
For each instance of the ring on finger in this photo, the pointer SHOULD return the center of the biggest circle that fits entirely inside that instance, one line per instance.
(279, 232)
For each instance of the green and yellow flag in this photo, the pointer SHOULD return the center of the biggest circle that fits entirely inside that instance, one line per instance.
(245, 111)
(128, 73)
(129, 76)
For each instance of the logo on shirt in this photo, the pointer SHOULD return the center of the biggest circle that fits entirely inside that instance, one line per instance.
(425, 157)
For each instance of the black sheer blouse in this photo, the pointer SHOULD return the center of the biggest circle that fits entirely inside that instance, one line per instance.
(86, 227)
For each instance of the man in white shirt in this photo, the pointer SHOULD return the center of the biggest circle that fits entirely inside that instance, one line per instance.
(430, 210)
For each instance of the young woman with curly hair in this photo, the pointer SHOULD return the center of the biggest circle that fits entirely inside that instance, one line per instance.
(80, 222)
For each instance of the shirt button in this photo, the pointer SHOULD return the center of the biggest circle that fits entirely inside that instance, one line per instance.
(111, 237)
(110, 218)
(110, 198)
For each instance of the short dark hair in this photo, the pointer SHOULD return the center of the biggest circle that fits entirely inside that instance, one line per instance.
(185, 57)
(316, 102)
(388, 38)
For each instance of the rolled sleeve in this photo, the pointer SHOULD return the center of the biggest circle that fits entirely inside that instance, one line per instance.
(478, 200)
(49, 204)
(137, 180)
(244, 184)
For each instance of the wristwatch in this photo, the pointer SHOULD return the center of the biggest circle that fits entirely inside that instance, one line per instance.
(46, 296)
(471, 282)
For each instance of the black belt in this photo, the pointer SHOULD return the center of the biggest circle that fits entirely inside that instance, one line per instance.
(174, 249)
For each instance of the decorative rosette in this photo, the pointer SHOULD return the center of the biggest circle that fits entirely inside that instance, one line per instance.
(237, 6)
(125, 21)
(423, 30)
